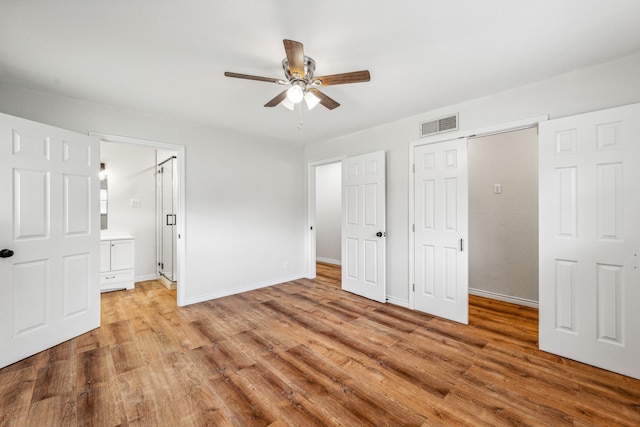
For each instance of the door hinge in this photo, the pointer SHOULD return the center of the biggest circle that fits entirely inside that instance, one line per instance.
(413, 226)
(414, 168)
(414, 287)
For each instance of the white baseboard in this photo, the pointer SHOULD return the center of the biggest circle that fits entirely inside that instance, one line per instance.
(329, 261)
(244, 288)
(398, 301)
(505, 298)
(145, 278)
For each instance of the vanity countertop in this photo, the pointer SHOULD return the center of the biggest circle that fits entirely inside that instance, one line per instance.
(114, 236)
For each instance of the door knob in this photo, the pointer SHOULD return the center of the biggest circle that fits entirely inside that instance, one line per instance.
(6, 253)
(380, 234)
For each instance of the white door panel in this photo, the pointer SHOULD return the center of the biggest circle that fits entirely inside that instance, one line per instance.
(441, 211)
(77, 205)
(590, 238)
(363, 226)
(49, 187)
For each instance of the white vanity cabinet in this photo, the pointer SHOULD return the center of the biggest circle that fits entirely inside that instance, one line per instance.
(117, 263)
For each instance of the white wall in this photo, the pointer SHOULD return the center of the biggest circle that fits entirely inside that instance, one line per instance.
(245, 196)
(606, 85)
(329, 213)
(503, 228)
(131, 175)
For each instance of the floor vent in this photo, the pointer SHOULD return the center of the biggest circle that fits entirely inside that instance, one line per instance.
(444, 124)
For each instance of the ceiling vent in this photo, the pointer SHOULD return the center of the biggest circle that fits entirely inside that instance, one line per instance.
(444, 124)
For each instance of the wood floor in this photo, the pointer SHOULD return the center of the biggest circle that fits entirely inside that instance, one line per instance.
(306, 353)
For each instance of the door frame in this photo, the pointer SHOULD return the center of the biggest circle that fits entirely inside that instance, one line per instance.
(180, 220)
(311, 211)
(486, 131)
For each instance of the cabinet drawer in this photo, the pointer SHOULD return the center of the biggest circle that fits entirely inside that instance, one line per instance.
(123, 279)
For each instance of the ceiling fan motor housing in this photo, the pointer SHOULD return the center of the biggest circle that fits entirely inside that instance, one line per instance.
(309, 70)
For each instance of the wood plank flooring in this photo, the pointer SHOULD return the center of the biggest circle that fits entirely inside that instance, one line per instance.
(306, 353)
(329, 273)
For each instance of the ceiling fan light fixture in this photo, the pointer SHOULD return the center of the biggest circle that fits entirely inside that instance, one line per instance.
(299, 72)
(311, 100)
(295, 94)
(288, 104)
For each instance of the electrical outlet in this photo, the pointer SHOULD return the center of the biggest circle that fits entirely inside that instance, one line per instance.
(286, 265)
(135, 203)
(497, 188)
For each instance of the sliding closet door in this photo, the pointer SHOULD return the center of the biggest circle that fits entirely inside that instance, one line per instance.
(441, 230)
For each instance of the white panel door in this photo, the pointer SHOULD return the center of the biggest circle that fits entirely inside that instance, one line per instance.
(363, 226)
(49, 211)
(590, 238)
(441, 228)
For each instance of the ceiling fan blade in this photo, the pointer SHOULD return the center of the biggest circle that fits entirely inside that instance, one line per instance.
(277, 100)
(343, 78)
(324, 99)
(295, 57)
(249, 77)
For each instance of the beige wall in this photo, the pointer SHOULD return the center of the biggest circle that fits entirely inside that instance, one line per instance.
(503, 228)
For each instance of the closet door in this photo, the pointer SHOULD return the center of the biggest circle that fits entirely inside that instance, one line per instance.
(590, 238)
(441, 230)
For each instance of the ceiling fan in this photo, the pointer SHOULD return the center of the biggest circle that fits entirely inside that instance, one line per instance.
(299, 73)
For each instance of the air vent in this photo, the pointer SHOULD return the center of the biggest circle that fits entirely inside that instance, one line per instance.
(444, 124)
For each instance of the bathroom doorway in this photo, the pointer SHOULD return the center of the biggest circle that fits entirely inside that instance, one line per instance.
(132, 204)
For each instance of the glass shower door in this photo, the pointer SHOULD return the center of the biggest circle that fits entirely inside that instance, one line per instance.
(168, 203)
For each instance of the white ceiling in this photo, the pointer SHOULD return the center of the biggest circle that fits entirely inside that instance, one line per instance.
(167, 57)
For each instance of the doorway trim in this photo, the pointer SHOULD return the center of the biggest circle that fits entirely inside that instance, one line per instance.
(180, 220)
(486, 131)
(311, 211)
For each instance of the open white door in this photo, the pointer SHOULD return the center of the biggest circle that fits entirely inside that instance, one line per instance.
(49, 211)
(441, 228)
(590, 238)
(363, 226)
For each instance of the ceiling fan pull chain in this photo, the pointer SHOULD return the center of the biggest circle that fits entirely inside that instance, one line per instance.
(300, 116)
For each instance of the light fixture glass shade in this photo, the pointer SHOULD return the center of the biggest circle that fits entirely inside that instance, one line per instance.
(295, 94)
(288, 104)
(311, 100)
